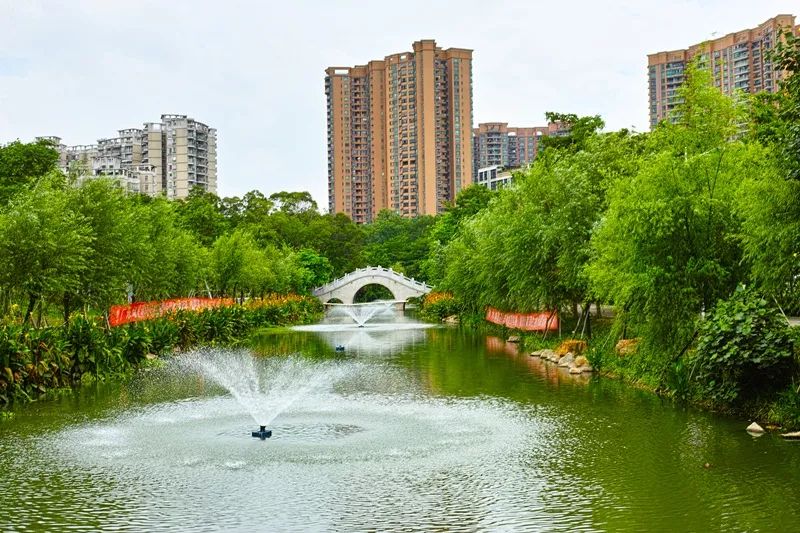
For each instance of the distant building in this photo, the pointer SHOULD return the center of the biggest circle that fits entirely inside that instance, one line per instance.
(163, 158)
(399, 132)
(494, 177)
(497, 144)
(191, 155)
(738, 61)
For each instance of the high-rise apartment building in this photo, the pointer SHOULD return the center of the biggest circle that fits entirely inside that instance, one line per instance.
(497, 144)
(191, 155)
(400, 132)
(738, 61)
(168, 157)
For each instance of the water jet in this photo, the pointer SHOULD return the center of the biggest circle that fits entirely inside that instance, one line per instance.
(362, 313)
(264, 387)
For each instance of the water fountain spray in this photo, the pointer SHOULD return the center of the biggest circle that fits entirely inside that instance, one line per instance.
(265, 387)
(362, 313)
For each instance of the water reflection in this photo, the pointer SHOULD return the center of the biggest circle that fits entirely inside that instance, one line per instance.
(371, 340)
(549, 371)
(440, 429)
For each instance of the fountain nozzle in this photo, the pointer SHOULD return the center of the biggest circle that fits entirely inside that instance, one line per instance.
(263, 433)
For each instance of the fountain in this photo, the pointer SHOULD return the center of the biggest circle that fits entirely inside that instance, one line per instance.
(265, 387)
(263, 433)
(362, 313)
(371, 328)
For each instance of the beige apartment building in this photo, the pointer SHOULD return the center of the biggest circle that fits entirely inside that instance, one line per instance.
(739, 62)
(498, 144)
(162, 158)
(400, 132)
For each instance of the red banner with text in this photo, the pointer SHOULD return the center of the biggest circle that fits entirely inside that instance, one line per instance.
(125, 314)
(546, 320)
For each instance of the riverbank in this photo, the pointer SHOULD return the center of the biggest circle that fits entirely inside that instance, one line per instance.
(629, 360)
(35, 362)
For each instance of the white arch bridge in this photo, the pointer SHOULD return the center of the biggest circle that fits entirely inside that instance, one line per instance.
(346, 287)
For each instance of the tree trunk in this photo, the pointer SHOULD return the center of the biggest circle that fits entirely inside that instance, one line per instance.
(588, 323)
(39, 314)
(31, 304)
(66, 302)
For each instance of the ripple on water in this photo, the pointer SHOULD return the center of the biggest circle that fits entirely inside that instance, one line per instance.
(363, 459)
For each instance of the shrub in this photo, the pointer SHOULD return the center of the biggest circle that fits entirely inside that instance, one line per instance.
(626, 347)
(91, 351)
(786, 409)
(744, 350)
(575, 346)
(33, 361)
(439, 305)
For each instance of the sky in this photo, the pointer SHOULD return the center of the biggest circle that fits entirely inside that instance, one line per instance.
(83, 69)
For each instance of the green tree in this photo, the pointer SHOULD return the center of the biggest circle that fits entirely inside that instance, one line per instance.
(231, 263)
(173, 263)
(469, 202)
(528, 249)
(770, 203)
(201, 213)
(45, 246)
(744, 350)
(666, 248)
(396, 241)
(319, 269)
(293, 202)
(575, 132)
(340, 240)
(118, 239)
(22, 164)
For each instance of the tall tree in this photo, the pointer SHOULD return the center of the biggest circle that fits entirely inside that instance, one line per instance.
(770, 205)
(666, 249)
(398, 242)
(45, 246)
(21, 164)
(201, 213)
(118, 239)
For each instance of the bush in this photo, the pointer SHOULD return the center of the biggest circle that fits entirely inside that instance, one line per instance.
(786, 409)
(439, 305)
(744, 350)
(575, 346)
(92, 351)
(34, 361)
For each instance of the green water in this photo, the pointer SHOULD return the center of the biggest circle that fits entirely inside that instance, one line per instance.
(417, 429)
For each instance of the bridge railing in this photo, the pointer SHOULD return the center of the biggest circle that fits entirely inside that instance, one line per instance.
(360, 271)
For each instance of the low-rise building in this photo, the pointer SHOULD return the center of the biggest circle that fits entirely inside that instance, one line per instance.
(494, 177)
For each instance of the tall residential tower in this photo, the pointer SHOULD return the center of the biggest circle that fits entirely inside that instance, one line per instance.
(739, 61)
(400, 132)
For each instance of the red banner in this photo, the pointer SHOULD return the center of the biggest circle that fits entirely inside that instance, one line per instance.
(547, 320)
(125, 314)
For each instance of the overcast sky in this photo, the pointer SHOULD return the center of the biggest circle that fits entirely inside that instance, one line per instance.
(255, 70)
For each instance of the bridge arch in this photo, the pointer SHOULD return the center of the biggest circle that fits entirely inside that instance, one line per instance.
(373, 291)
(345, 288)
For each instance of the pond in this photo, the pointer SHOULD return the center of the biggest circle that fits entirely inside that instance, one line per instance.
(410, 428)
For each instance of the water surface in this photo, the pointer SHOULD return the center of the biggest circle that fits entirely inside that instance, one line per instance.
(417, 429)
